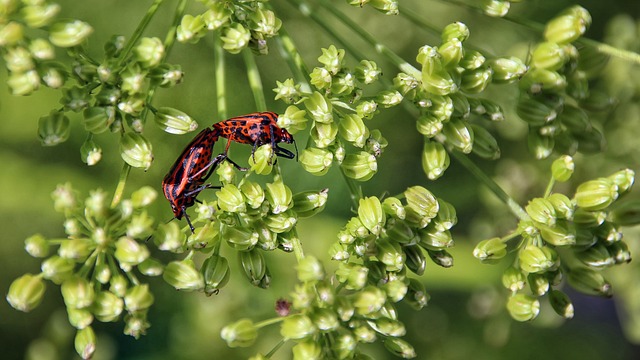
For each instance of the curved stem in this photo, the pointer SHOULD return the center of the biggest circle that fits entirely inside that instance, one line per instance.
(547, 191)
(255, 82)
(122, 181)
(290, 54)
(218, 56)
(137, 33)
(297, 246)
(515, 208)
(268, 322)
(355, 190)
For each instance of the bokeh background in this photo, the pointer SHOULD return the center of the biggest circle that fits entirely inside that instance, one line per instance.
(465, 317)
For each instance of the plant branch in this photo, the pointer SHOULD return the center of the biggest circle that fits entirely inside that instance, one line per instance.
(255, 82)
(218, 60)
(137, 33)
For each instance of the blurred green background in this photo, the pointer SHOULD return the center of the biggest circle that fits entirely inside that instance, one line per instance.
(465, 318)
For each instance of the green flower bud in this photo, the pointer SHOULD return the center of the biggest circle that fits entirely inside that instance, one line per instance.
(368, 72)
(98, 119)
(191, 29)
(475, 81)
(496, 8)
(568, 26)
(39, 15)
(332, 59)
(442, 107)
(230, 199)
(484, 144)
(310, 269)
(309, 203)
(399, 347)
(242, 333)
(440, 258)
(320, 78)
(183, 275)
(236, 38)
(76, 249)
(450, 52)
(597, 257)
(174, 121)
(490, 250)
(536, 112)
(319, 108)
(37, 246)
(417, 297)
(280, 223)
(388, 327)
(578, 85)
(596, 194)
(562, 168)
(40, 49)
(77, 292)
(53, 129)
(254, 265)
(542, 211)
(138, 298)
(239, 238)
(360, 166)
(297, 327)
(107, 307)
(371, 214)
(513, 279)
(289, 92)
(353, 130)
(429, 125)
(396, 290)
(118, 285)
(18, 60)
(53, 74)
(623, 179)
(590, 282)
(534, 259)
(461, 106)
(79, 318)
(540, 146)
(129, 252)
(421, 201)
(523, 307)
(561, 234)
(548, 55)
(344, 346)
(149, 52)
(23, 83)
(217, 16)
(538, 283)
(316, 161)
(366, 109)
(166, 75)
(415, 259)
(26, 292)
(304, 350)
(435, 159)
(68, 33)
(472, 60)
(391, 255)
(326, 292)
(456, 30)
(279, 197)
(369, 300)
(57, 269)
(392, 206)
(459, 134)
(538, 80)
(136, 150)
(507, 70)
(168, 237)
(576, 120)
(561, 304)
(387, 7)
(90, 152)
(399, 231)
(343, 83)
(389, 98)
(435, 79)
(344, 308)
(215, 271)
(85, 342)
(293, 119)
(325, 319)
(620, 252)
(11, 33)
(352, 275)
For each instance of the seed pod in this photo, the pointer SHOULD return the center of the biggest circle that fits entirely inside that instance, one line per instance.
(542, 211)
(624, 179)
(535, 112)
(53, 129)
(57, 269)
(562, 168)
(561, 304)
(548, 55)
(174, 121)
(85, 342)
(596, 257)
(441, 258)
(539, 80)
(538, 283)
(297, 326)
(37, 246)
(471, 60)
(310, 269)
(309, 203)
(484, 144)
(77, 292)
(459, 134)
(490, 250)
(450, 52)
(254, 265)
(242, 333)
(507, 70)
(391, 255)
(475, 81)
(316, 161)
(540, 146)
(626, 214)
(360, 166)
(136, 150)
(513, 279)
(183, 275)
(429, 125)
(392, 206)
(371, 214)
(399, 347)
(107, 307)
(590, 282)
(415, 259)
(353, 130)
(568, 26)
(354, 276)
(533, 259)
(561, 234)
(12, 32)
(435, 79)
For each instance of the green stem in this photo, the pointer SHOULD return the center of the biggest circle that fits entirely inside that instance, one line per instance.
(218, 56)
(290, 54)
(255, 82)
(268, 322)
(275, 348)
(547, 191)
(137, 33)
(380, 48)
(297, 246)
(355, 190)
(515, 208)
(122, 181)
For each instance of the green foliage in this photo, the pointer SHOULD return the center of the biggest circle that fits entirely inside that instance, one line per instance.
(355, 293)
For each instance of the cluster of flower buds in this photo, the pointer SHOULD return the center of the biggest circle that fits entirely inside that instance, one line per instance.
(338, 111)
(387, 7)
(248, 218)
(572, 238)
(241, 24)
(30, 60)
(441, 91)
(94, 265)
(375, 249)
(556, 100)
